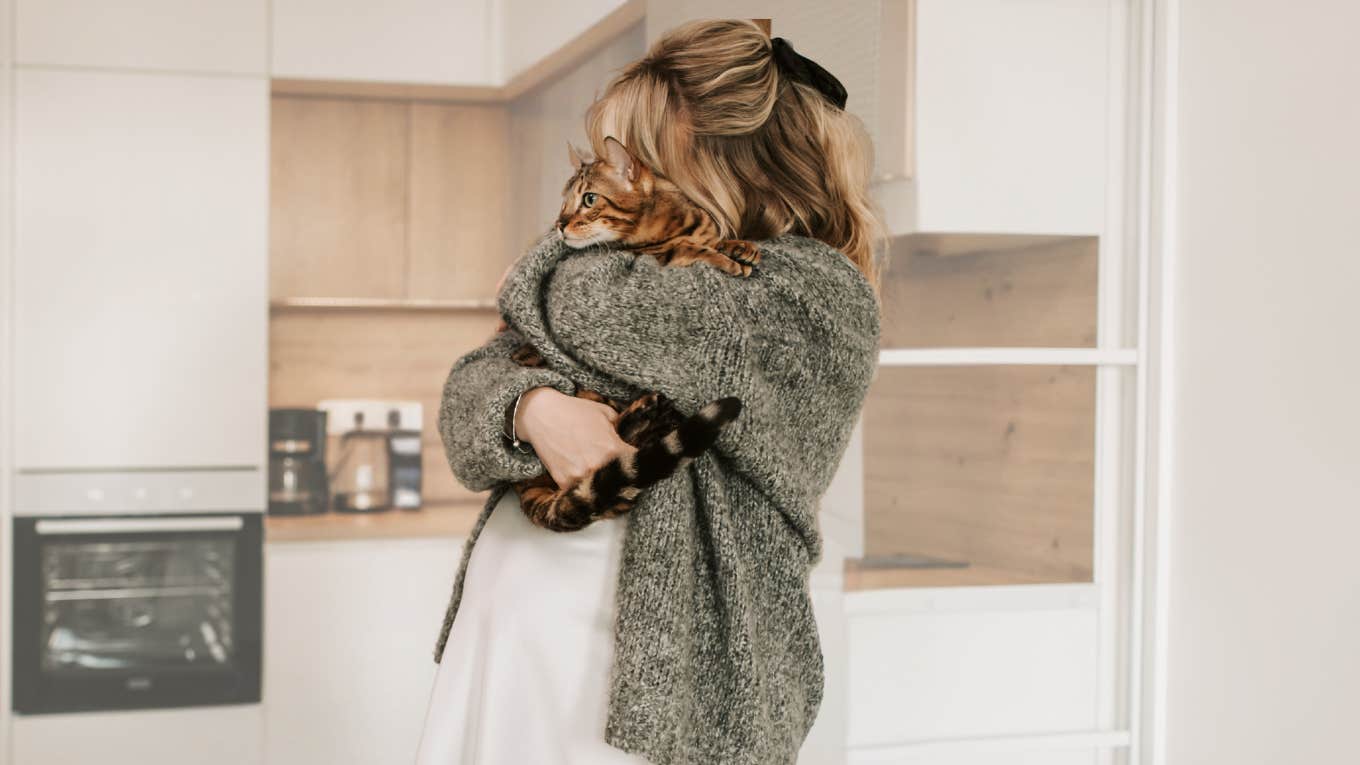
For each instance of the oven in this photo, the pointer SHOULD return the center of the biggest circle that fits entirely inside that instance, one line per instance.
(116, 610)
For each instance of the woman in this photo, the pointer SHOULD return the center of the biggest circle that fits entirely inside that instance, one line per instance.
(682, 632)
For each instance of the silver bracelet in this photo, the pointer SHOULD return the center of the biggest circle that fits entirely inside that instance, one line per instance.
(519, 445)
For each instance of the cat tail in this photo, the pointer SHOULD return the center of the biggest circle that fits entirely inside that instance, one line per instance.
(624, 478)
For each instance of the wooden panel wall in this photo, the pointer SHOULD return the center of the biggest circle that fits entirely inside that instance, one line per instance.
(405, 355)
(388, 199)
(993, 466)
(952, 291)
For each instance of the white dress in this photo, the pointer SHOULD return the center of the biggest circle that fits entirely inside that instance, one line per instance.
(525, 674)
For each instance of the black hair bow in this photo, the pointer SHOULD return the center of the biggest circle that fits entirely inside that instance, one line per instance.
(800, 68)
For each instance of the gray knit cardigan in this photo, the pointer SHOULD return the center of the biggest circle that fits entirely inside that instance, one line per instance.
(717, 659)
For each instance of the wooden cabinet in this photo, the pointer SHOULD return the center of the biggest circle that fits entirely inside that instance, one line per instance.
(350, 629)
(140, 272)
(436, 42)
(458, 200)
(992, 115)
(388, 199)
(338, 198)
(226, 36)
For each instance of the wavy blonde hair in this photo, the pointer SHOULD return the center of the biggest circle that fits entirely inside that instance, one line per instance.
(708, 108)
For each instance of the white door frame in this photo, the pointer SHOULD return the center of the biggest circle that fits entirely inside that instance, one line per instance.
(7, 54)
(1157, 93)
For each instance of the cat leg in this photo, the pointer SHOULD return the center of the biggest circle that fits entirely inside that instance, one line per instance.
(688, 253)
(643, 416)
(666, 442)
(551, 508)
(739, 250)
(526, 356)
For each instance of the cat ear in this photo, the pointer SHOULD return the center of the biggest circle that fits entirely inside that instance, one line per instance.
(618, 158)
(575, 156)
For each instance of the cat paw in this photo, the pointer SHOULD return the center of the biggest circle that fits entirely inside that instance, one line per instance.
(733, 268)
(740, 250)
(527, 356)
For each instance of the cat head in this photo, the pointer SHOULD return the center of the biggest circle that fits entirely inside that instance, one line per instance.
(604, 200)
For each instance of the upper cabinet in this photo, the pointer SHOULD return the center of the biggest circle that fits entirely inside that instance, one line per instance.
(992, 115)
(140, 270)
(533, 29)
(435, 42)
(390, 200)
(219, 36)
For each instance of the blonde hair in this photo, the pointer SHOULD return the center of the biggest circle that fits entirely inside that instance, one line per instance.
(708, 108)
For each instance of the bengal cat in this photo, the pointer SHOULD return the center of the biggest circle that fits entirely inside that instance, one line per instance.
(619, 200)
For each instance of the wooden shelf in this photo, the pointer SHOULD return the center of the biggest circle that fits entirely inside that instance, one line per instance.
(436, 519)
(380, 304)
(859, 578)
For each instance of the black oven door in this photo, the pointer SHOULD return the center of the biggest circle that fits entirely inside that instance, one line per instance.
(136, 612)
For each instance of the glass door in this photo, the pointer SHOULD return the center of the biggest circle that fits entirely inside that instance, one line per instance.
(980, 429)
(990, 588)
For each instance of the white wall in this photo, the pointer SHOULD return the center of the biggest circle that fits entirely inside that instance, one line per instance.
(532, 29)
(542, 121)
(6, 354)
(1264, 662)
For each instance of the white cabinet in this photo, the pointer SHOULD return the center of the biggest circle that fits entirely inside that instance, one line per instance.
(350, 629)
(229, 735)
(443, 42)
(534, 29)
(228, 36)
(1005, 113)
(141, 270)
(945, 664)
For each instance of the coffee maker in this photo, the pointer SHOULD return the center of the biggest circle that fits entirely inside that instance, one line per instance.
(297, 462)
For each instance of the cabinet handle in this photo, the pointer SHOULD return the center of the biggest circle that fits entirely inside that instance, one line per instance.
(137, 525)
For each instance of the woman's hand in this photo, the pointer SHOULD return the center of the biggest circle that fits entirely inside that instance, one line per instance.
(571, 436)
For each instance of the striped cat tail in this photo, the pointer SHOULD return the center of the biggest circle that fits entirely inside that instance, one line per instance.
(659, 459)
(622, 479)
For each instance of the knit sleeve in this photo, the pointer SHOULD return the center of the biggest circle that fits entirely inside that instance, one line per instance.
(677, 330)
(479, 388)
(797, 341)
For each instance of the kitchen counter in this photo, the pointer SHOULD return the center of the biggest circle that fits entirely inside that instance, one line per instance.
(436, 519)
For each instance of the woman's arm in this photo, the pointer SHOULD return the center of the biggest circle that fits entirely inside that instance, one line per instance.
(797, 342)
(678, 330)
(480, 388)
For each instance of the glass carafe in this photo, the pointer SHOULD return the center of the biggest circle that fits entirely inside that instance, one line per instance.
(360, 481)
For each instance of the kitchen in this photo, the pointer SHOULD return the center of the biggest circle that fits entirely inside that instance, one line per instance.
(243, 243)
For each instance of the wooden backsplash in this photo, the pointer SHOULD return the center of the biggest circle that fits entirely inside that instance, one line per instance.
(405, 355)
(989, 465)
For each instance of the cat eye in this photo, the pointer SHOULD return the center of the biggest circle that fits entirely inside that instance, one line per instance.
(588, 198)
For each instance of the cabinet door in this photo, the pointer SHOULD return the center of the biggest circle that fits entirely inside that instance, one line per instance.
(1005, 115)
(171, 35)
(349, 638)
(443, 42)
(141, 303)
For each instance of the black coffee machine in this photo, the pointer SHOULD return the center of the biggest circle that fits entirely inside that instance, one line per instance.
(297, 462)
